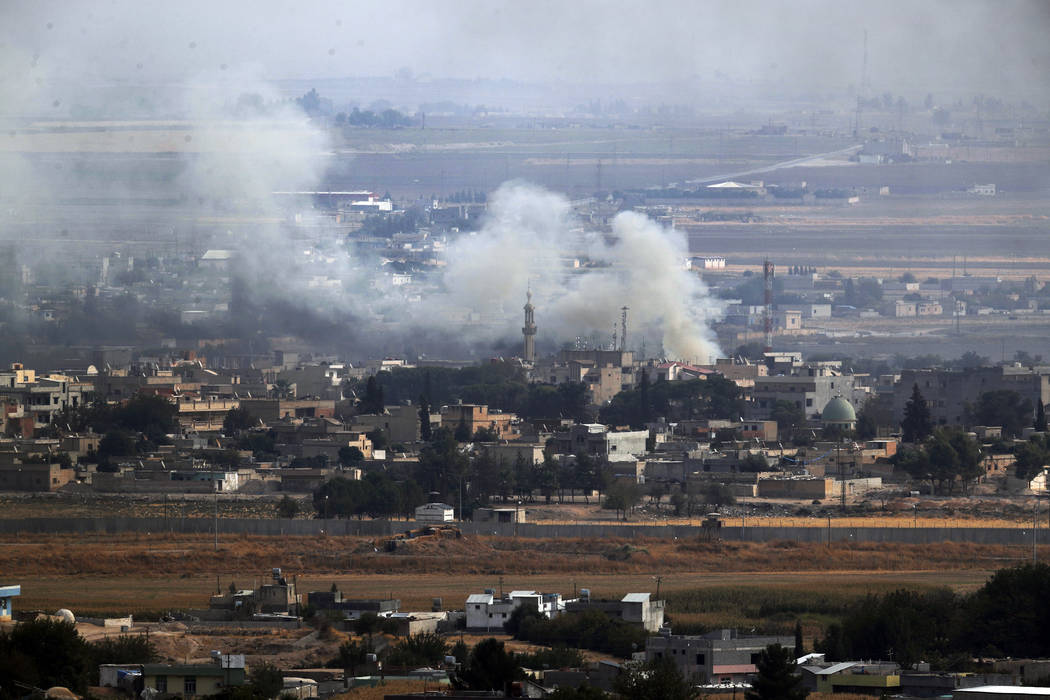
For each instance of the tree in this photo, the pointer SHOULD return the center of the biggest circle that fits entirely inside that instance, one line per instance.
(237, 420)
(116, 443)
(367, 624)
(1005, 408)
(622, 497)
(266, 680)
(425, 430)
(789, 417)
(655, 680)
(372, 402)
(350, 456)
(1032, 456)
(1009, 615)
(353, 654)
(287, 508)
(776, 678)
(800, 647)
(581, 692)
(124, 649)
(43, 653)
(917, 424)
(490, 667)
(947, 457)
(644, 410)
(754, 463)
(422, 649)
(1039, 424)
(719, 494)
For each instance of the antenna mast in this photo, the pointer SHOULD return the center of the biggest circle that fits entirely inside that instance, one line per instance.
(623, 328)
(767, 275)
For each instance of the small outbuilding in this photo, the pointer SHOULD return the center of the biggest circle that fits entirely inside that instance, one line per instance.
(435, 513)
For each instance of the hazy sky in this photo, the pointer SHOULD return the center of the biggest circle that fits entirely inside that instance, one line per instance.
(990, 46)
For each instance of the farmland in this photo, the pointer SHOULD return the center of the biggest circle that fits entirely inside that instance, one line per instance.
(152, 574)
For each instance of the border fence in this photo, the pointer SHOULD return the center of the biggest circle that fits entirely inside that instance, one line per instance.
(734, 529)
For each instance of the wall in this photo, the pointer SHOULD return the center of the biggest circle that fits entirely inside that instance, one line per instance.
(372, 528)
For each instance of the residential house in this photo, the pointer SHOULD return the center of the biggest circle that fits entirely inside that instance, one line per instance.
(476, 417)
(596, 439)
(486, 611)
(717, 657)
(635, 608)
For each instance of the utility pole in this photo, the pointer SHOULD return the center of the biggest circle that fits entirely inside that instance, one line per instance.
(767, 275)
(623, 328)
(216, 517)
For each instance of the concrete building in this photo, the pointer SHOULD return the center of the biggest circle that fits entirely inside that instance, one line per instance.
(854, 677)
(476, 417)
(268, 410)
(435, 513)
(18, 476)
(788, 319)
(795, 487)
(41, 398)
(400, 423)
(499, 515)
(348, 607)
(6, 594)
(716, 657)
(194, 680)
(597, 439)
(809, 388)
(511, 452)
(947, 391)
(635, 608)
(486, 611)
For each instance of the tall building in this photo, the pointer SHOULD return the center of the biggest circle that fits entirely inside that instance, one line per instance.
(529, 331)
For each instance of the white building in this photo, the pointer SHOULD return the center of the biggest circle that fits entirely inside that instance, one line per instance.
(487, 612)
(435, 513)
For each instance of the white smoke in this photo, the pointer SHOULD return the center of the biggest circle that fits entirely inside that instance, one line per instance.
(531, 239)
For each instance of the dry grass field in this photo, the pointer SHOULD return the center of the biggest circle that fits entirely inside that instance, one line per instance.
(140, 574)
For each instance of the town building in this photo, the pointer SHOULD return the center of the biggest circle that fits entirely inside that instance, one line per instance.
(596, 439)
(6, 594)
(476, 417)
(400, 423)
(853, 677)
(808, 388)
(946, 391)
(41, 398)
(486, 611)
(717, 657)
(194, 680)
(634, 608)
(435, 513)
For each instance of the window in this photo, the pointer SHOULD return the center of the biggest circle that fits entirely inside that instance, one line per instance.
(477, 607)
(700, 660)
(189, 685)
(809, 402)
(161, 684)
(755, 657)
